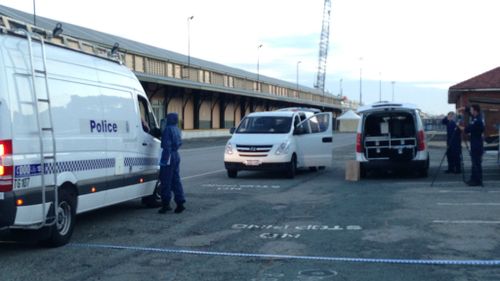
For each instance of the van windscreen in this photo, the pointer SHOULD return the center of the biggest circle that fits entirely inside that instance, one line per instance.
(265, 125)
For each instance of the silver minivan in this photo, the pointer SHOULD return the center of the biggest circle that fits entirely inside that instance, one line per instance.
(391, 136)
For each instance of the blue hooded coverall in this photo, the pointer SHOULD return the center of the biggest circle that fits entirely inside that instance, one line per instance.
(454, 145)
(169, 162)
(476, 129)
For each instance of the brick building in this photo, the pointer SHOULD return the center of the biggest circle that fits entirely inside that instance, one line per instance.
(483, 89)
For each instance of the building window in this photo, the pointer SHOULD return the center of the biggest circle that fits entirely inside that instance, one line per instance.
(228, 81)
(178, 71)
(170, 70)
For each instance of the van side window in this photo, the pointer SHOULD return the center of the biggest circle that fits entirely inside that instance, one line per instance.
(316, 124)
(143, 110)
(148, 121)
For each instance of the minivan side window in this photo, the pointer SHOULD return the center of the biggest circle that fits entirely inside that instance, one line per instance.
(316, 124)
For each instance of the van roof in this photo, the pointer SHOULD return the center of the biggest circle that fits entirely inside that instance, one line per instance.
(272, 113)
(300, 109)
(387, 105)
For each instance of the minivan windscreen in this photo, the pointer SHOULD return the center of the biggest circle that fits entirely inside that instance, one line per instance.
(265, 125)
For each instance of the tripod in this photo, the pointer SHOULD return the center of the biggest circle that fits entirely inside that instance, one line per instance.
(446, 153)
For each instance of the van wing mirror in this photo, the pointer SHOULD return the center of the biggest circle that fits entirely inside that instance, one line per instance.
(231, 131)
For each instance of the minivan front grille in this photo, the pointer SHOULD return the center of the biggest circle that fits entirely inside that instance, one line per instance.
(253, 150)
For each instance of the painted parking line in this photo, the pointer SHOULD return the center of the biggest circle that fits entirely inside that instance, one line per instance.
(468, 204)
(465, 222)
(289, 257)
(203, 174)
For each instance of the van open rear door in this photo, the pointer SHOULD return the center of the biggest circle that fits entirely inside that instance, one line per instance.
(314, 140)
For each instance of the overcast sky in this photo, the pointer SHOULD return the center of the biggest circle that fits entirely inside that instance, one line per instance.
(425, 46)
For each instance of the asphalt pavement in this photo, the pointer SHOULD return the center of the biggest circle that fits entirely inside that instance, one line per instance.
(262, 226)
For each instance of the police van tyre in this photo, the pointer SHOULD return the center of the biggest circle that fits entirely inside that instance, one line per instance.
(153, 200)
(61, 231)
(232, 173)
(292, 167)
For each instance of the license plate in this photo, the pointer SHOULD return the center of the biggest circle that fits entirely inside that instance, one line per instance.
(252, 162)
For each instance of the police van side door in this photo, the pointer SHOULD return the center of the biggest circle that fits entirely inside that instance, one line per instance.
(314, 140)
(148, 135)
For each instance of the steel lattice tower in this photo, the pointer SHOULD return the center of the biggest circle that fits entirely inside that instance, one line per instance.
(323, 47)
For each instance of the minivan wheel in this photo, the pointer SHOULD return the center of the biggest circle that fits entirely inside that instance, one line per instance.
(292, 168)
(232, 173)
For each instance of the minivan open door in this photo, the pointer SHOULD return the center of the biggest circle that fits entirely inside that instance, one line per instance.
(314, 140)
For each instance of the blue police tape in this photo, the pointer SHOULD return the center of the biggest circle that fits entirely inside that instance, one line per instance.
(276, 256)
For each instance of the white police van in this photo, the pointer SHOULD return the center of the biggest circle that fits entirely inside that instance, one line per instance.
(75, 135)
(282, 140)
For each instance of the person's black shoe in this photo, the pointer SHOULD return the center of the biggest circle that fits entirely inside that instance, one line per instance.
(448, 172)
(164, 209)
(457, 172)
(473, 183)
(179, 209)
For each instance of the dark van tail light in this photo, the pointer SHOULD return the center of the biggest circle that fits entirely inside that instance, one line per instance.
(359, 146)
(421, 141)
(6, 170)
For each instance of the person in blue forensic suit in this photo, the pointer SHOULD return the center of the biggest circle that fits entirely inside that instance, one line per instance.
(169, 166)
(476, 129)
(453, 144)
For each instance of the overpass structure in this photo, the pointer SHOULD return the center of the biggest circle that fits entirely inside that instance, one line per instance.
(206, 95)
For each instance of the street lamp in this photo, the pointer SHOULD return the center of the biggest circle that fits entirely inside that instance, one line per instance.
(392, 82)
(360, 80)
(299, 62)
(258, 66)
(189, 19)
(380, 87)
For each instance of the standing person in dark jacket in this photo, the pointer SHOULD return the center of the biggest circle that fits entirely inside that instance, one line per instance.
(453, 143)
(476, 129)
(169, 166)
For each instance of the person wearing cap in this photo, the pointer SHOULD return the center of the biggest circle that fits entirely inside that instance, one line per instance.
(453, 143)
(475, 129)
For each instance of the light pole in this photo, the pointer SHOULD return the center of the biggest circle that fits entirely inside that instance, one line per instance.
(189, 19)
(341, 90)
(299, 62)
(258, 66)
(360, 80)
(380, 87)
(392, 82)
(34, 13)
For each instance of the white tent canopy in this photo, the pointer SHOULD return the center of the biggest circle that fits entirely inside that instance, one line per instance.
(348, 122)
(349, 115)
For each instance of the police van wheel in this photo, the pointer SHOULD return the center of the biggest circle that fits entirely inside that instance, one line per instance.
(292, 168)
(154, 200)
(232, 173)
(62, 229)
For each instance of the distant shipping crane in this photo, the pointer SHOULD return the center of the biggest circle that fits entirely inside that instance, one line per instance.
(323, 47)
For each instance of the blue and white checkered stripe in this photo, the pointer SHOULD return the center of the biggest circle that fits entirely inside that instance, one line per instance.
(82, 165)
(65, 166)
(29, 170)
(141, 161)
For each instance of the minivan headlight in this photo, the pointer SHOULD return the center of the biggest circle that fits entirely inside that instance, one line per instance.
(283, 148)
(229, 148)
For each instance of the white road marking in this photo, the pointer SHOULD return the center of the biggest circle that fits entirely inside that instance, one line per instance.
(201, 148)
(465, 222)
(204, 174)
(468, 204)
